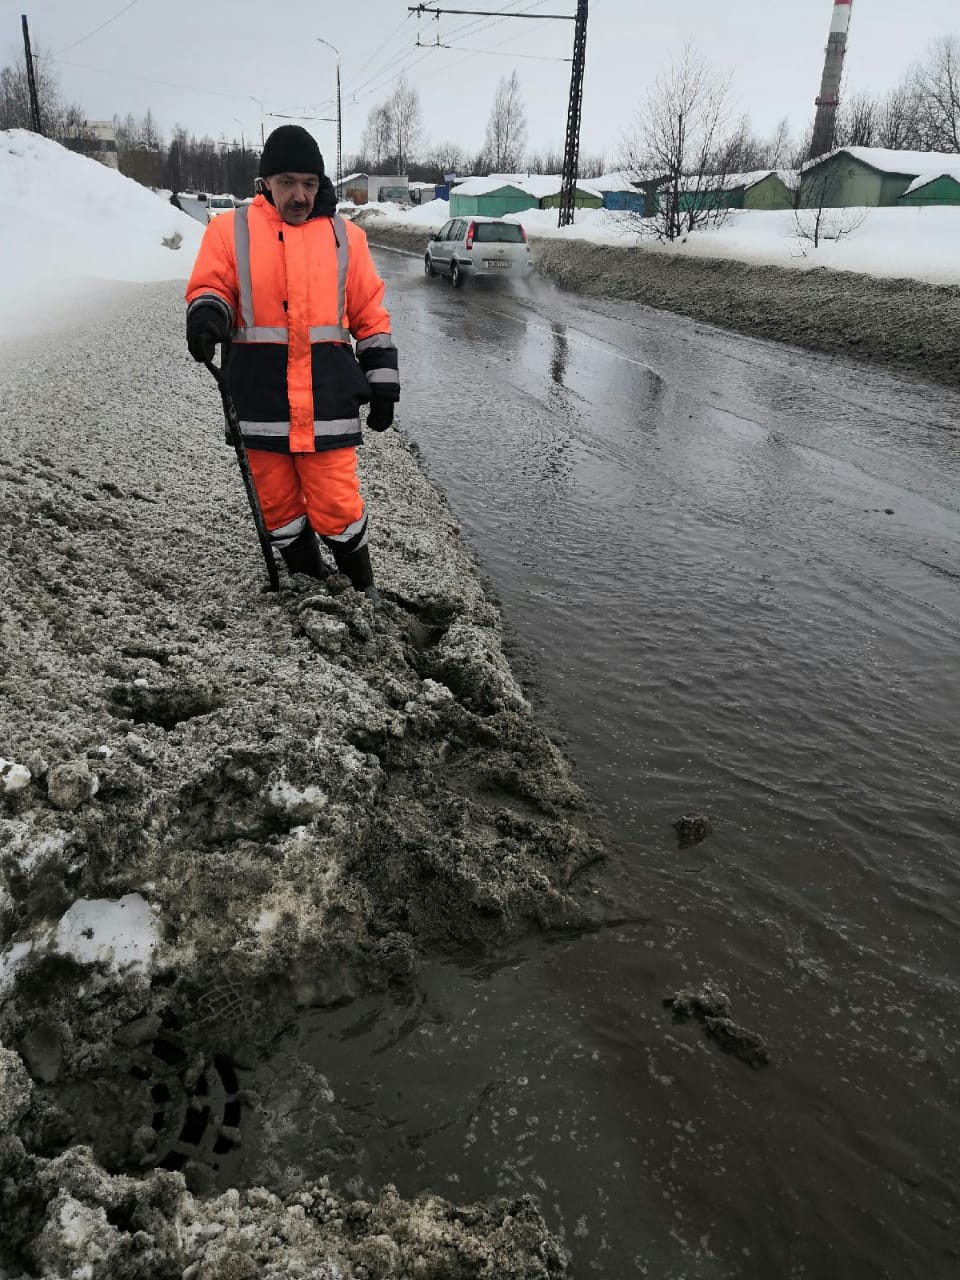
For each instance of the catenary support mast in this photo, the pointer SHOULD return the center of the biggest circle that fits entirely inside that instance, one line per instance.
(571, 150)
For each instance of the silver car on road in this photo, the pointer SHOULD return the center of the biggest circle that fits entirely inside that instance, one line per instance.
(483, 247)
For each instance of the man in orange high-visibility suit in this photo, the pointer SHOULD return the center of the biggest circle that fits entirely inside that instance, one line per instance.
(288, 282)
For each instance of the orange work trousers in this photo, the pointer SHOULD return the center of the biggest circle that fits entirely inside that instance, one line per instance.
(323, 486)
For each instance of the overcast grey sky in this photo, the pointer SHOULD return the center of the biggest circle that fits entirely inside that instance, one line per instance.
(214, 56)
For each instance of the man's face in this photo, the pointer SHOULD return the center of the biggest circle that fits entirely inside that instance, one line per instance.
(293, 194)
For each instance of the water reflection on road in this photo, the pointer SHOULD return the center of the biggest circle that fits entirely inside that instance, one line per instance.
(736, 565)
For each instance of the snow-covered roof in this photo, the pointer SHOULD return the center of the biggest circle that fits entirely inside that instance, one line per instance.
(885, 160)
(538, 185)
(788, 177)
(349, 177)
(483, 186)
(735, 181)
(617, 181)
(543, 185)
(942, 171)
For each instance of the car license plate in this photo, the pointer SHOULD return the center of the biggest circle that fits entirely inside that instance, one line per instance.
(495, 262)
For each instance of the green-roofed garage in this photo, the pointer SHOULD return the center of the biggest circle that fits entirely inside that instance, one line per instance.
(471, 198)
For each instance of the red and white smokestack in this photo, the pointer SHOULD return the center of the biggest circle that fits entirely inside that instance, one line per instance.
(841, 16)
(825, 125)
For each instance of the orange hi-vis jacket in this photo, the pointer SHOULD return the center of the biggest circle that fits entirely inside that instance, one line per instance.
(295, 296)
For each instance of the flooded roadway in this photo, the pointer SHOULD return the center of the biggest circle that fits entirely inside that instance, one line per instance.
(736, 567)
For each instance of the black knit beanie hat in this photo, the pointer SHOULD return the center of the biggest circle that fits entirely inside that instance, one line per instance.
(290, 149)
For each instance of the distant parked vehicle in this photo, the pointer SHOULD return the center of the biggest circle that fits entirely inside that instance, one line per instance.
(482, 247)
(219, 204)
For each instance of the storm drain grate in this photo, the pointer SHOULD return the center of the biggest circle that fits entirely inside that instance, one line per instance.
(195, 1105)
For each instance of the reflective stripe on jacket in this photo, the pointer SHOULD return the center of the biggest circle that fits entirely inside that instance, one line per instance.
(295, 296)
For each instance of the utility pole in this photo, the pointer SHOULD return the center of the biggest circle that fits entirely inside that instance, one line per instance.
(339, 137)
(260, 105)
(571, 150)
(339, 117)
(31, 78)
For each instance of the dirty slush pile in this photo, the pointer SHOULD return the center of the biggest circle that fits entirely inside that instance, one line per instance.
(904, 324)
(306, 796)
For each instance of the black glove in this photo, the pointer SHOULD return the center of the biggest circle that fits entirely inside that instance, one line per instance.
(381, 414)
(207, 325)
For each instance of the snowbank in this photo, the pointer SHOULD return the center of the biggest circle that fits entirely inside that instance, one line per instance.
(916, 243)
(432, 214)
(66, 221)
(919, 243)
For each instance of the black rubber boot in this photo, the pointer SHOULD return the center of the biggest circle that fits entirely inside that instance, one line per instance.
(356, 565)
(303, 555)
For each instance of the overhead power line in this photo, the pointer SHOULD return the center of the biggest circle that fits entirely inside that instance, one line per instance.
(384, 78)
(284, 115)
(90, 34)
(376, 53)
(497, 53)
(476, 25)
(390, 70)
(166, 84)
(447, 67)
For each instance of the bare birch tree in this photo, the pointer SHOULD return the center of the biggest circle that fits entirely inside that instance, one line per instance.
(407, 123)
(377, 137)
(858, 121)
(590, 166)
(780, 146)
(898, 124)
(743, 151)
(937, 85)
(682, 134)
(545, 162)
(447, 157)
(506, 136)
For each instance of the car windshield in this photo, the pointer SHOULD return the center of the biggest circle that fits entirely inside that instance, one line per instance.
(221, 204)
(504, 232)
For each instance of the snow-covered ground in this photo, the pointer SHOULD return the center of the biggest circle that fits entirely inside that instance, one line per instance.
(67, 222)
(918, 243)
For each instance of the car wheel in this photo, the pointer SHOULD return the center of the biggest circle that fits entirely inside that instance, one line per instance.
(456, 275)
(428, 266)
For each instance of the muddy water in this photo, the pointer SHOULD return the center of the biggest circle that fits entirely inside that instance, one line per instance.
(736, 566)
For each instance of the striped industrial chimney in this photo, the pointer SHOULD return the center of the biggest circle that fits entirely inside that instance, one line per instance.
(825, 125)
